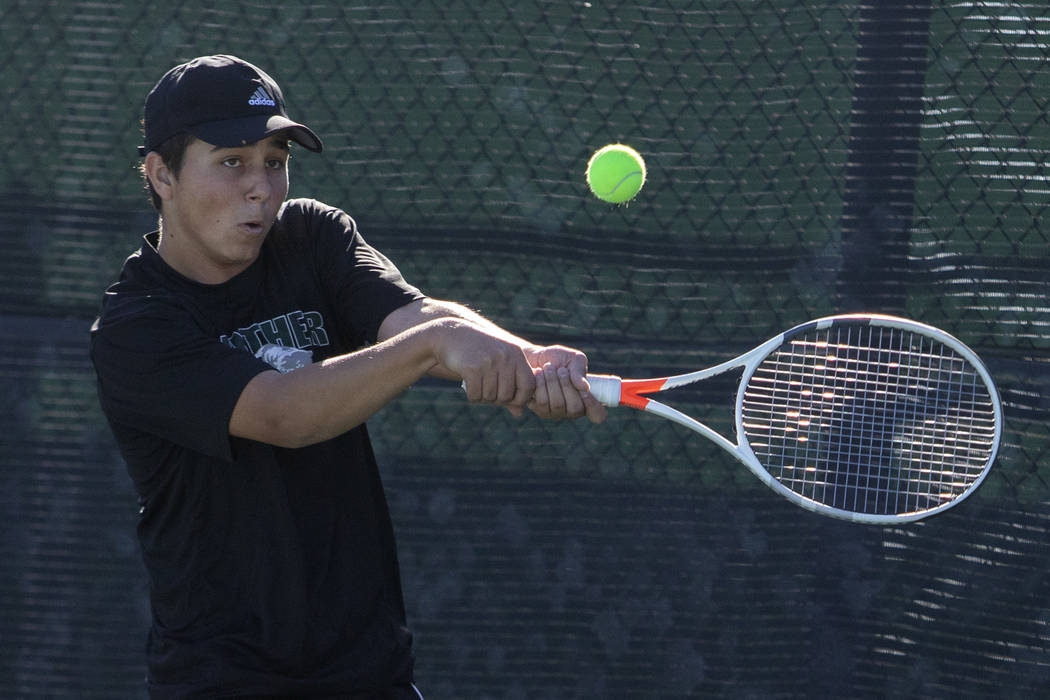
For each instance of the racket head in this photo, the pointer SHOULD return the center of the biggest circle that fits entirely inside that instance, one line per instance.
(869, 418)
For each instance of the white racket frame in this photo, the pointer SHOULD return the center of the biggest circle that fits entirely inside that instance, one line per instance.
(608, 390)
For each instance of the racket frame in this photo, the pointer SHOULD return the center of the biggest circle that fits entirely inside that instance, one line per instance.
(613, 391)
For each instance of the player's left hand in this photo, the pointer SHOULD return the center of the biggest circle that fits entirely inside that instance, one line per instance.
(562, 390)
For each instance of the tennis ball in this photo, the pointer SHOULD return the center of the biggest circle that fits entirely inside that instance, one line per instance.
(615, 173)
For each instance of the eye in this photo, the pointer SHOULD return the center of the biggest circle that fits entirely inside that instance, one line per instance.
(275, 164)
(232, 161)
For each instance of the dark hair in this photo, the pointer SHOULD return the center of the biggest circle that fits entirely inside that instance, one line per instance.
(171, 152)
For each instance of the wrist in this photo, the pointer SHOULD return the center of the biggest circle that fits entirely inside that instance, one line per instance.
(425, 343)
(535, 354)
(441, 336)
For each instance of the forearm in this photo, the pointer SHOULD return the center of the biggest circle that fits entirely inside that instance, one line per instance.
(433, 309)
(323, 400)
(556, 385)
(452, 309)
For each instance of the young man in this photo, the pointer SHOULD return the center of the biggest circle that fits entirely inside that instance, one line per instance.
(238, 357)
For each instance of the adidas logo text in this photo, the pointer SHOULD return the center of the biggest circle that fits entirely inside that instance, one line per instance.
(262, 98)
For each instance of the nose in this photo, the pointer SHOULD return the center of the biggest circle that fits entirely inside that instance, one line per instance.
(259, 187)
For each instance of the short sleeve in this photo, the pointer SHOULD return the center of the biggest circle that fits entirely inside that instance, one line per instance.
(364, 285)
(159, 374)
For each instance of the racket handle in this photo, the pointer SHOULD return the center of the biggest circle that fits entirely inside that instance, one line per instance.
(605, 388)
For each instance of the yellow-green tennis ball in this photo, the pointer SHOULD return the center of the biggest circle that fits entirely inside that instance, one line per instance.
(615, 173)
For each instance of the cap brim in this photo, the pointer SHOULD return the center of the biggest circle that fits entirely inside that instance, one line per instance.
(231, 133)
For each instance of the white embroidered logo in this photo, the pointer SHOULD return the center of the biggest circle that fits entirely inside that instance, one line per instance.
(262, 98)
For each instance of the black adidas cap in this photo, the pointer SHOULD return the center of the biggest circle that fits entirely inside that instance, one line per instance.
(221, 100)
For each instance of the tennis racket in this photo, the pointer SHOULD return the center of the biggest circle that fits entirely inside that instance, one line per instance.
(870, 418)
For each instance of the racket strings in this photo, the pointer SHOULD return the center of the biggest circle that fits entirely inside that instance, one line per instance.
(870, 419)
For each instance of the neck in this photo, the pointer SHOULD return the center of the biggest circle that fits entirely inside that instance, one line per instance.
(193, 264)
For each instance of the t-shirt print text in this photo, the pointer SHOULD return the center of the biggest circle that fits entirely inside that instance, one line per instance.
(282, 341)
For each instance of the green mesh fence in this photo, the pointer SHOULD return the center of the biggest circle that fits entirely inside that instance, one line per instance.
(805, 158)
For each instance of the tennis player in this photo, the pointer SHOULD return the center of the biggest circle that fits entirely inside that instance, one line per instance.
(238, 357)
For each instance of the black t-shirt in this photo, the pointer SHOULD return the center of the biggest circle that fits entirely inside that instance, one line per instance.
(271, 570)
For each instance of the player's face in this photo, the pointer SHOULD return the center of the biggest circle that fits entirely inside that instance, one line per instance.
(221, 206)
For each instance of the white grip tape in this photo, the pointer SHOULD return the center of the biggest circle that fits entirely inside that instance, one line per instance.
(605, 388)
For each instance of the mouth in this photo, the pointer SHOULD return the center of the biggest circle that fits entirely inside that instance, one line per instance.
(252, 227)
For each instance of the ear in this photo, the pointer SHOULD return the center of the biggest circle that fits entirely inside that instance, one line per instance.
(159, 174)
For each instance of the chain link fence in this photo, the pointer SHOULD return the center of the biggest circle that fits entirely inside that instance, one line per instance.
(805, 158)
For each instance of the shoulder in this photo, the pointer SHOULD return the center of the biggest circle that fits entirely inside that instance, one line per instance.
(305, 215)
(141, 302)
(135, 311)
(314, 230)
